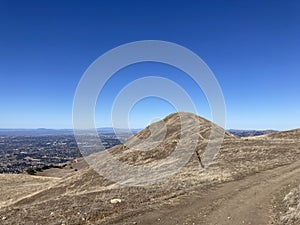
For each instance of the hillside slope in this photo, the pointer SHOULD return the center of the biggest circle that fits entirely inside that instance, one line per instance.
(290, 134)
(85, 197)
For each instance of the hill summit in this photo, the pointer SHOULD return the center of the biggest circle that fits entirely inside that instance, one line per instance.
(159, 139)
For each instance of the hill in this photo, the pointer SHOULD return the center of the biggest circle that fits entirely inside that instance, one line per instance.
(85, 197)
(290, 134)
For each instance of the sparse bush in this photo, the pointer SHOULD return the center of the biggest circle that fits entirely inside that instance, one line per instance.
(45, 167)
(38, 169)
(31, 171)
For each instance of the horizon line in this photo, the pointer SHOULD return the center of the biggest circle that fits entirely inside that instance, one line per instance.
(118, 128)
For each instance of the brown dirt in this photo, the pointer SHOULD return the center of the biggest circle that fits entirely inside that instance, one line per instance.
(246, 201)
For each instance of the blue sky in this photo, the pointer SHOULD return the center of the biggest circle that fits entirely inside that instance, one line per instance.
(251, 46)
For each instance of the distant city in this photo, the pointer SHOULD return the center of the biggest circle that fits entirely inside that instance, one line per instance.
(21, 149)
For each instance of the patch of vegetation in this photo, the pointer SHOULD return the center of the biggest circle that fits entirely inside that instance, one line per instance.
(31, 171)
(38, 169)
(46, 167)
(292, 204)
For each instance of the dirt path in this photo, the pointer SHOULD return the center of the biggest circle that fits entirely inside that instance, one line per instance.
(247, 201)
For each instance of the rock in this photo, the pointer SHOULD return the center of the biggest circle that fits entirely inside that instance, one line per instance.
(115, 201)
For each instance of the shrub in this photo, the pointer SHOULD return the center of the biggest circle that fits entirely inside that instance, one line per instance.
(31, 171)
(45, 167)
(38, 169)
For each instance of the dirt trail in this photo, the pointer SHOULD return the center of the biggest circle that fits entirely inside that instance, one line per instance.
(246, 201)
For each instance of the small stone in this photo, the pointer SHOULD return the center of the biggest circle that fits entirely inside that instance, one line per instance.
(115, 201)
(4, 218)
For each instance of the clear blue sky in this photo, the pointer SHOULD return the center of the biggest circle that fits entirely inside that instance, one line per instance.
(252, 47)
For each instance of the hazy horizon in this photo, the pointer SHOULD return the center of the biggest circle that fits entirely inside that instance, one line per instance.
(123, 128)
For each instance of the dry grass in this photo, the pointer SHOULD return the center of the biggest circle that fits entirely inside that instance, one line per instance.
(291, 201)
(83, 197)
(16, 186)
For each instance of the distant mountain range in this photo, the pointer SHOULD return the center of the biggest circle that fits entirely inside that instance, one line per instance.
(248, 133)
